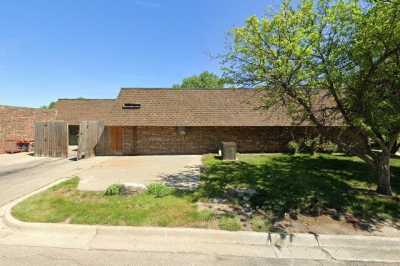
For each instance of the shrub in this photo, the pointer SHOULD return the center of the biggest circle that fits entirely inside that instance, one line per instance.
(114, 189)
(293, 147)
(310, 145)
(230, 224)
(259, 224)
(328, 147)
(159, 190)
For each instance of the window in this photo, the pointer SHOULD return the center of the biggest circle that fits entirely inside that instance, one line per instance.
(131, 106)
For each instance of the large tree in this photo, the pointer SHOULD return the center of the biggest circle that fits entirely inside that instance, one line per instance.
(206, 80)
(345, 52)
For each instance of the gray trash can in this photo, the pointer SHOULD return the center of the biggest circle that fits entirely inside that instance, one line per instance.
(228, 150)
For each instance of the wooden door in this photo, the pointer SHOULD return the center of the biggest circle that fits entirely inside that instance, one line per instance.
(117, 140)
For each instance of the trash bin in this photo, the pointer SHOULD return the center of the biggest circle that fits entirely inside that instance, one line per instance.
(228, 150)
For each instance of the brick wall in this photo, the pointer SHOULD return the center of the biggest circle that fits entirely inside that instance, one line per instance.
(17, 123)
(200, 140)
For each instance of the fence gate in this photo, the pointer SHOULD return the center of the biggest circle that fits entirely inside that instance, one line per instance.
(51, 139)
(90, 133)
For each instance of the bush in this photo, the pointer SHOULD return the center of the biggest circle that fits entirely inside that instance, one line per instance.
(328, 147)
(293, 147)
(260, 224)
(230, 224)
(317, 144)
(310, 145)
(114, 189)
(159, 190)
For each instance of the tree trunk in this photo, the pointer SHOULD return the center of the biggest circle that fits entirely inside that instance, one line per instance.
(395, 148)
(383, 168)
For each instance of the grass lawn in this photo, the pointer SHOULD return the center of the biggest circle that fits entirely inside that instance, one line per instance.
(305, 184)
(280, 183)
(65, 204)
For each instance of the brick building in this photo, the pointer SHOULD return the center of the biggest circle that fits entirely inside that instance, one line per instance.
(17, 123)
(169, 121)
(165, 121)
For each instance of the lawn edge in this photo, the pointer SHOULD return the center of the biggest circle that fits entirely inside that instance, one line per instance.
(245, 237)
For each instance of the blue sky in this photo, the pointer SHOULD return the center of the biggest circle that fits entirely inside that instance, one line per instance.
(75, 48)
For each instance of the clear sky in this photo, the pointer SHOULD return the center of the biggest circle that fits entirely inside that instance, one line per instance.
(52, 49)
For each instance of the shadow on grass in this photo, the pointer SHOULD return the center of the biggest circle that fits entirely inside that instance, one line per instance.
(305, 184)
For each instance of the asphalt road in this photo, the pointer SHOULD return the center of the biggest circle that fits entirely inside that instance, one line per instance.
(26, 256)
(21, 174)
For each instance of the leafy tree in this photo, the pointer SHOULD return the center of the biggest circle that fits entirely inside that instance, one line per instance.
(343, 52)
(50, 106)
(205, 80)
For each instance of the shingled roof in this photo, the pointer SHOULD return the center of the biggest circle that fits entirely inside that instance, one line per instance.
(75, 110)
(177, 107)
(172, 107)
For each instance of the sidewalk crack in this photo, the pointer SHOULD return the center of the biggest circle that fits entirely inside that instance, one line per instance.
(276, 251)
(328, 254)
(92, 238)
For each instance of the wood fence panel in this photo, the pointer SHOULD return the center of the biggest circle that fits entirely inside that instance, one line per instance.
(90, 134)
(51, 139)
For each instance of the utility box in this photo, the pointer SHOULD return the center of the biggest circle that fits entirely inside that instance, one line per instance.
(228, 150)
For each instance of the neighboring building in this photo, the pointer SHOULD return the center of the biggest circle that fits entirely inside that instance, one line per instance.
(17, 124)
(170, 121)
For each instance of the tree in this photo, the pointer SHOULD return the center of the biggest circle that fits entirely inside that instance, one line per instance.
(205, 80)
(345, 52)
(50, 106)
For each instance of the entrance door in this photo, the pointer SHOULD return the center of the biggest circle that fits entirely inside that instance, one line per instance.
(117, 140)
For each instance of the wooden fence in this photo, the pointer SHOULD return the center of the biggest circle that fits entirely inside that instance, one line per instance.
(51, 139)
(90, 133)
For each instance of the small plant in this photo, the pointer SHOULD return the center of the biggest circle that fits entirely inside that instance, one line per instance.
(260, 224)
(114, 189)
(293, 147)
(328, 147)
(205, 215)
(230, 224)
(310, 145)
(159, 190)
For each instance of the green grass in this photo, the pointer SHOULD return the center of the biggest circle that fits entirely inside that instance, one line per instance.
(230, 224)
(304, 183)
(283, 183)
(65, 203)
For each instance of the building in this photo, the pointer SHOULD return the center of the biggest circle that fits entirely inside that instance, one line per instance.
(170, 121)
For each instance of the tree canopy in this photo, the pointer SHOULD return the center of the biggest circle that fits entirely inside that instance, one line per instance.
(206, 80)
(347, 51)
(50, 106)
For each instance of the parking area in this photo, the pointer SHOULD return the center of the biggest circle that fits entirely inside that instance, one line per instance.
(177, 170)
(23, 173)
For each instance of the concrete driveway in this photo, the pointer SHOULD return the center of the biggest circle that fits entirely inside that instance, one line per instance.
(181, 171)
(22, 173)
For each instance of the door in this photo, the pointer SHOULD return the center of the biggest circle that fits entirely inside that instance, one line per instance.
(117, 140)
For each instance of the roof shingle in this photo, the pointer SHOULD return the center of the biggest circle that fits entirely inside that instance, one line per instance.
(177, 107)
(172, 107)
(75, 110)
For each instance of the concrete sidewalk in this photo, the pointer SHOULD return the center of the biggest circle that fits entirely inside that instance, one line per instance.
(302, 247)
